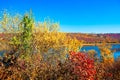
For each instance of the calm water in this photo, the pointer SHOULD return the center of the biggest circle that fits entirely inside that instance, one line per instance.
(115, 46)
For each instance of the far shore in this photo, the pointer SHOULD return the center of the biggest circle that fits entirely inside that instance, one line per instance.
(98, 44)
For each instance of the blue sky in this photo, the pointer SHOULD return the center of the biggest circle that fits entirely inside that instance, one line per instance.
(88, 16)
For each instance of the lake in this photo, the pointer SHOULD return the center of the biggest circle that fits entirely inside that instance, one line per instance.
(115, 46)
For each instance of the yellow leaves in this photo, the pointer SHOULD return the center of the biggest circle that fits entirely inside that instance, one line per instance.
(52, 43)
(74, 44)
(9, 23)
(92, 53)
(60, 78)
(106, 53)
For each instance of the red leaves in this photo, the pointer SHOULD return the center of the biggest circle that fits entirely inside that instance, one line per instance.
(83, 65)
(109, 74)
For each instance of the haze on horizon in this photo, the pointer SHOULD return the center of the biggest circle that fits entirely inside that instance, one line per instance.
(86, 16)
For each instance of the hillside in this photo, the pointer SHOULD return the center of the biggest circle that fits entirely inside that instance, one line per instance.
(97, 38)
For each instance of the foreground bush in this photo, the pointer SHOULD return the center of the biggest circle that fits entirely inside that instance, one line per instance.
(77, 67)
(108, 72)
(83, 66)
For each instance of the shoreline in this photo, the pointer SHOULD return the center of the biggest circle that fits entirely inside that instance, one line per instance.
(99, 44)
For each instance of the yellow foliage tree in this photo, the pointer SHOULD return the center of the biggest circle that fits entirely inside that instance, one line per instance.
(46, 38)
(52, 44)
(106, 53)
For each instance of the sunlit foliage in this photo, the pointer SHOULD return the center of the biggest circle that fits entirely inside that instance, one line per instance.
(106, 53)
(39, 51)
(83, 65)
(52, 44)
